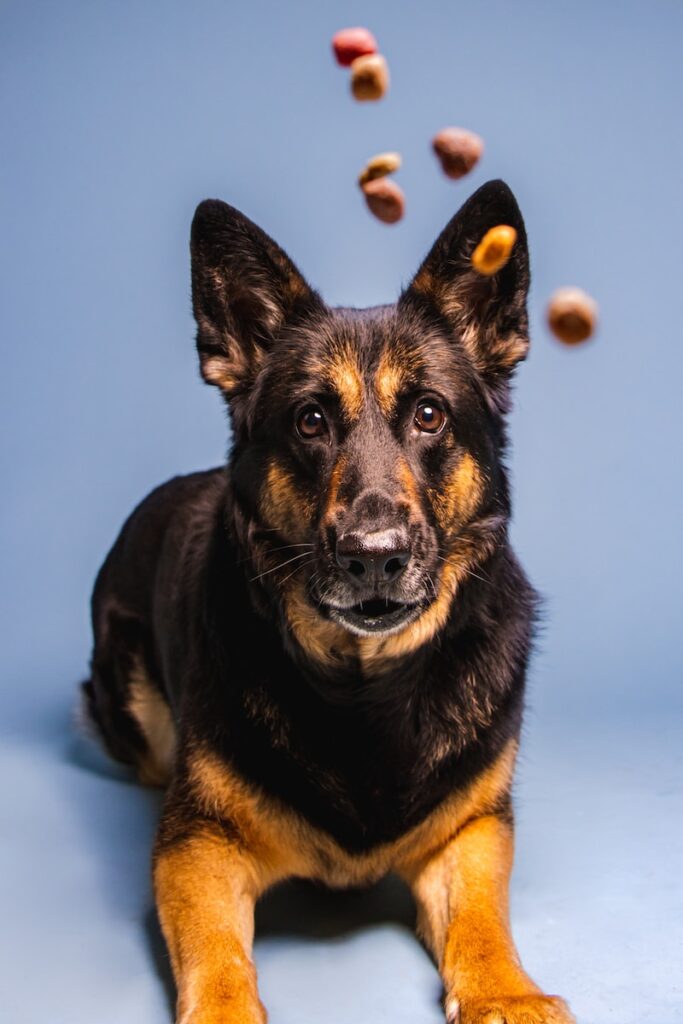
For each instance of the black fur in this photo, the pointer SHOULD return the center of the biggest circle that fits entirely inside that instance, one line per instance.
(363, 755)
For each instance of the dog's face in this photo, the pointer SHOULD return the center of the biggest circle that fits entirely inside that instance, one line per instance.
(367, 451)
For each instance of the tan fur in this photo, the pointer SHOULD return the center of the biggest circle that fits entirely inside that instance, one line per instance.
(206, 888)
(153, 715)
(217, 370)
(408, 483)
(462, 897)
(336, 476)
(284, 506)
(395, 372)
(344, 375)
(458, 302)
(285, 844)
(389, 379)
(456, 501)
(325, 642)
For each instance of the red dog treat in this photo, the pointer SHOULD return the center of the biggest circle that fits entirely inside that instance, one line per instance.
(385, 199)
(369, 77)
(350, 43)
(572, 315)
(458, 150)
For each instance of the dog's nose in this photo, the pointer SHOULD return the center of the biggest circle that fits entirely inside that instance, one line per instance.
(372, 558)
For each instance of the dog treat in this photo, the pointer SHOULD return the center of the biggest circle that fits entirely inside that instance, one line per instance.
(369, 77)
(379, 166)
(494, 250)
(458, 151)
(350, 43)
(385, 199)
(572, 315)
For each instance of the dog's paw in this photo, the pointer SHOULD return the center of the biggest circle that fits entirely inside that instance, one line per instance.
(224, 1015)
(227, 1012)
(532, 1009)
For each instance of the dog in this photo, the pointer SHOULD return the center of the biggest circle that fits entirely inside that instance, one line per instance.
(320, 648)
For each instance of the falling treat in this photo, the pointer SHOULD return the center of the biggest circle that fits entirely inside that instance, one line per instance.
(458, 150)
(572, 315)
(379, 166)
(494, 250)
(369, 77)
(385, 199)
(350, 43)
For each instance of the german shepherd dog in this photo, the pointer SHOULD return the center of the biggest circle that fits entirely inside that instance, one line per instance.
(320, 649)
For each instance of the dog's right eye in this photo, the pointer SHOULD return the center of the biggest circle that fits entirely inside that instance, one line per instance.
(311, 422)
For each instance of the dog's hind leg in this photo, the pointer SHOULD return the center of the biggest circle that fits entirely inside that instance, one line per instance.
(125, 702)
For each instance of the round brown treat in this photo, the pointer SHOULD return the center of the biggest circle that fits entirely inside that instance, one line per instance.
(494, 250)
(379, 166)
(458, 150)
(369, 77)
(385, 199)
(572, 315)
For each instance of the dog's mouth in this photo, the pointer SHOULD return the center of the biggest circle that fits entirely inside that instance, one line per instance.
(376, 615)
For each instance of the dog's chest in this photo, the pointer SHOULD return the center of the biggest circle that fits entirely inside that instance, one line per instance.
(362, 785)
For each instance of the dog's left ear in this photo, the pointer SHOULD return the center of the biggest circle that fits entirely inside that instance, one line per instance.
(245, 289)
(487, 315)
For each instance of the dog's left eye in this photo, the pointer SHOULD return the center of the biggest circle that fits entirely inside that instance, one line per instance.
(429, 418)
(311, 422)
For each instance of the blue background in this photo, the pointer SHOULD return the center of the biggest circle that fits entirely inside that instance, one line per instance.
(117, 118)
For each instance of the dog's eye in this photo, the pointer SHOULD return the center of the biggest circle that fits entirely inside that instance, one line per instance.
(429, 418)
(311, 422)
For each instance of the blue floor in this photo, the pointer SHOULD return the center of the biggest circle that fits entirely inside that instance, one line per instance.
(597, 901)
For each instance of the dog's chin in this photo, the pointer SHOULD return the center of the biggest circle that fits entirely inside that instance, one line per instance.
(375, 617)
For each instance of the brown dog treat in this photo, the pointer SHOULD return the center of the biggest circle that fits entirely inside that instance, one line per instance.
(458, 150)
(572, 315)
(494, 250)
(350, 43)
(385, 199)
(379, 166)
(369, 77)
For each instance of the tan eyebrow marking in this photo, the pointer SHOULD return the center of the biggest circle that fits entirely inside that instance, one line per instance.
(396, 370)
(344, 374)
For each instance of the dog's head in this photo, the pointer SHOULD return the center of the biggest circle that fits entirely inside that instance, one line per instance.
(367, 458)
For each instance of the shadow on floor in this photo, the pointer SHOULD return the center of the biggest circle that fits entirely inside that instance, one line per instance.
(305, 910)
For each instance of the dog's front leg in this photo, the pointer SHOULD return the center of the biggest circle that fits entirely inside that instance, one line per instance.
(462, 898)
(206, 884)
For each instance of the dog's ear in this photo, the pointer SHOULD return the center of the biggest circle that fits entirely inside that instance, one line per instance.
(244, 290)
(486, 314)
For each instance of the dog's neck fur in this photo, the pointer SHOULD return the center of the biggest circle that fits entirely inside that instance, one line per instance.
(366, 673)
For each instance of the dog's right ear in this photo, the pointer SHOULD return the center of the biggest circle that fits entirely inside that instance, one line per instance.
(244, 290)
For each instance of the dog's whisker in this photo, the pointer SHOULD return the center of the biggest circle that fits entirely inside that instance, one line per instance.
(482, 578)
(469, 571)
(302, 554)
(302, 566)
(274, 551)
(431, 583)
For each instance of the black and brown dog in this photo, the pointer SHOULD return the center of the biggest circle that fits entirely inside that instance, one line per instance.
(321, 648)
